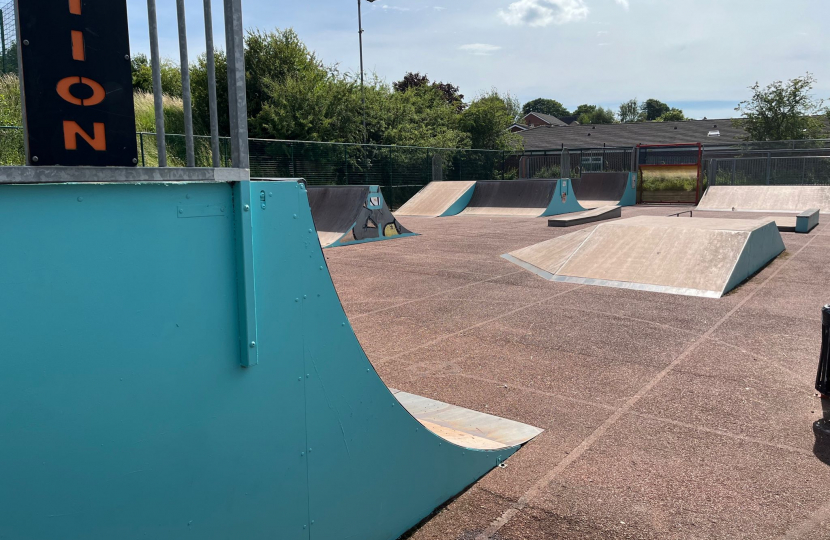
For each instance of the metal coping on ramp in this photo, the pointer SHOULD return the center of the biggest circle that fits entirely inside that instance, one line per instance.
(785, 199)
(346, 215)
(693, 257)
(199, 373)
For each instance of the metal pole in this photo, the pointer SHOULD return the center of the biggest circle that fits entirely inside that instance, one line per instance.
(3, 38)
(157, 90)
(823, 375)
(141, 139)
(237, 100)
(362, 89)
(211, 74)
(186, 99)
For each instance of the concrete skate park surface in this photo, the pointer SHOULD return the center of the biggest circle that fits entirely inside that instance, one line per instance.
(665, 417)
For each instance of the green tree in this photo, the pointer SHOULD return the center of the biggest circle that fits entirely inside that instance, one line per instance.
(271, 59)
(199, 90)
(422, 117)
(672, 115)
(630, 111)
(545, 106)
(782, 111)
(451, 93)
(584, 109)
(171, 76)
(652, 109)
(598, 115)
(9, 61)
(486, 121)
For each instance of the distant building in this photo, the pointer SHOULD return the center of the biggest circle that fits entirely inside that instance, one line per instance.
(710, 132)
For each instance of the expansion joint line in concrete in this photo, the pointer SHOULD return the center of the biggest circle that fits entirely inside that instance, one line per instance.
(655, 418)
(439, 293)
(537, 488)
(477, 325)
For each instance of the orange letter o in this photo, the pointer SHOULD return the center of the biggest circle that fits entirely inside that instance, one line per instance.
(98, 93)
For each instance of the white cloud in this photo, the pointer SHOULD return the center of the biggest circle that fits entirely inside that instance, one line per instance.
(396, 8)
(480, 49)
(602, 32)
(623, 3)
(439, 8)
(544, 12)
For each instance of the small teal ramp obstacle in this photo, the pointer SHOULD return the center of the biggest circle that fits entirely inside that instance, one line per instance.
(176, 363)
(352, 215)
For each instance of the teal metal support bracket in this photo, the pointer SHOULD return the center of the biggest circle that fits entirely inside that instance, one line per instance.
(245, 277)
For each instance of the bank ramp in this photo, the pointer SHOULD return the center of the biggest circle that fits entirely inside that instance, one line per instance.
(439, 199)
(695, 257)
(792, 199)
(346, 215)
(176, 363)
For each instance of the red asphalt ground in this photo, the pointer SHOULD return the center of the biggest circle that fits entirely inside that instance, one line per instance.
(665, 416)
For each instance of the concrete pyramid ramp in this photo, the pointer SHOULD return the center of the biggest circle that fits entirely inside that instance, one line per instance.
(346, 215)
(696, 257)
(439, 199)
(766, 198)
(517, 198)
(176, 363)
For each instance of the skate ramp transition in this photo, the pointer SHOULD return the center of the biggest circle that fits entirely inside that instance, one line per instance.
(176, 362)
(347, 215)
(523, 198)
(695, 257)
(439, 199)
(766, 198)
(595, 190)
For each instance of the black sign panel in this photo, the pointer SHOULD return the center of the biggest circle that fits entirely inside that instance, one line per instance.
(77, 82)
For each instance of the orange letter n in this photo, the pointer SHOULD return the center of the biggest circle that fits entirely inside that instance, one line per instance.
(71, 130)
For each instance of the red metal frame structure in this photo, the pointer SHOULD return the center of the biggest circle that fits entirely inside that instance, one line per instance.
(643, 158)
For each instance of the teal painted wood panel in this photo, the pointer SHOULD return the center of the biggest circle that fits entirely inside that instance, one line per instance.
(563, 205)
(125, 413)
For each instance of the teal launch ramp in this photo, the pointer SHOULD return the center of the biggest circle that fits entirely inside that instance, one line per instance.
(176, 364)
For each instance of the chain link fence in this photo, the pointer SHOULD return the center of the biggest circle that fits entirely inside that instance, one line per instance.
(402, 170)
(548, 163)
(8, 38)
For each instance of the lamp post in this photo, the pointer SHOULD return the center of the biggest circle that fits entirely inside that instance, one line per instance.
(362, 90)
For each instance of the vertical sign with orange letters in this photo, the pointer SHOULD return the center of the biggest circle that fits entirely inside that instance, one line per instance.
(77, 82)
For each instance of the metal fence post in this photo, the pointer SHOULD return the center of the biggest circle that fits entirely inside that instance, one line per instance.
(3, 38)
(141, 140)
(391, 174)
(769, 166)
(823, 375)
(734, 164)
(293, 164)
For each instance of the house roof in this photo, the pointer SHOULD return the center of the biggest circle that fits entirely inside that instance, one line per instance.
(552, 120)
(597, 135)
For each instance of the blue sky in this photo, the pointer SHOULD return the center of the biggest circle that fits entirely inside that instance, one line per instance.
(699, 55)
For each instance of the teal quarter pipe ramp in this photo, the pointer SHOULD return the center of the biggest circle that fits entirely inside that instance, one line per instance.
(176, 364)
